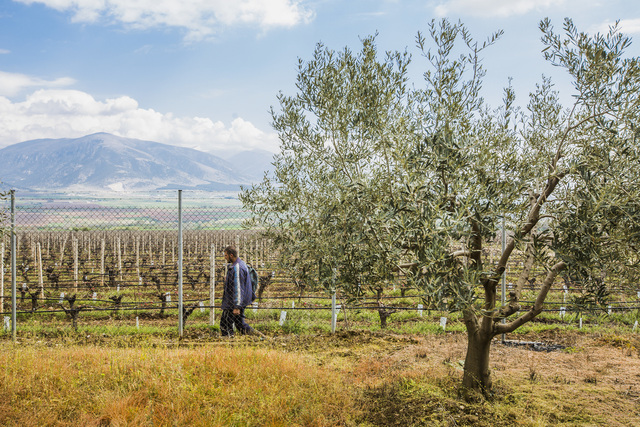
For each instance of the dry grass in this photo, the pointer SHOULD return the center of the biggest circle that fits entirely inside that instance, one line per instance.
(208, 386)
(595, 382)
(363, 378)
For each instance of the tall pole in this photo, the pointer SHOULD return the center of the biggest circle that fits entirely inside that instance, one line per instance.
(212, 292)
(2, 277)
(504, 273)
(180, 319)
(13, 266)
(333, 304)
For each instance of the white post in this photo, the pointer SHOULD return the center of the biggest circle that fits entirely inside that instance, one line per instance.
(334, 313)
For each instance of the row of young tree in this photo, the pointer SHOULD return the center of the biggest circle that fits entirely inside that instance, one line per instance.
(378, 173)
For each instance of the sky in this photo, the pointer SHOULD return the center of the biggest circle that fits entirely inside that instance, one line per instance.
(204, 73)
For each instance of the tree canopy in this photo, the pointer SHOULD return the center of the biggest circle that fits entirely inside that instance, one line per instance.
(378, 174)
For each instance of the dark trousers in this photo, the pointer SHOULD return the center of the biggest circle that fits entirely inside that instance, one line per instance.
(228, 319)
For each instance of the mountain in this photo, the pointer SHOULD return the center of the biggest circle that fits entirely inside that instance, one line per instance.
(252, 164)
(107, 162)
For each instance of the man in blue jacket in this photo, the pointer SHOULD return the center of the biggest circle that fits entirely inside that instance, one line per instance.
(238, 293)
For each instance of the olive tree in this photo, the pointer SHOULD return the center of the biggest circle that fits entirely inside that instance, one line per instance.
(339, 145)
(374, 177)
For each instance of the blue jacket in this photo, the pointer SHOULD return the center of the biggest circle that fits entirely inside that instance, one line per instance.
(238, 291)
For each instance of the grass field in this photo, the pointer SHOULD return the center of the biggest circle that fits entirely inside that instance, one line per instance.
(368, 378)
(126, 366)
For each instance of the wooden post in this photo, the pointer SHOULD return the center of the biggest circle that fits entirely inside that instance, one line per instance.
(138, 256)
(102, 262)
(64, 243)
(88, 247)
(256, 254)
(119, 260)
(34, 252)
(75, 264)
(39, 249)
(164, 244)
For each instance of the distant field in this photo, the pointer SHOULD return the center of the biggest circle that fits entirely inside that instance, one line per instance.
(201, 210)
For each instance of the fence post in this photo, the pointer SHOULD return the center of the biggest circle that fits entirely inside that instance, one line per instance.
(2, 277)
(333, 305)
(504, 273)
(180, 302)
(13, 266)
(212, 283)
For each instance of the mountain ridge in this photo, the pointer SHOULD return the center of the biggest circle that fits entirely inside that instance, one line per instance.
(102, 161)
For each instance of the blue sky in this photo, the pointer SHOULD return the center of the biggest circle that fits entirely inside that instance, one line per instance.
(203, 73)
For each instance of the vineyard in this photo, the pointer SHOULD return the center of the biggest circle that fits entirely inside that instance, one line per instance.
(103, 266)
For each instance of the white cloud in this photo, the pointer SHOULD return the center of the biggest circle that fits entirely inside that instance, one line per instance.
(627, 26)
(494, 8)
(57, 113)
(13, 83)
(201, 18)
(4, 51)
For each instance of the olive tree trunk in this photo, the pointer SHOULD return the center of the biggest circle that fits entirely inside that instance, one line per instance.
(476, 364)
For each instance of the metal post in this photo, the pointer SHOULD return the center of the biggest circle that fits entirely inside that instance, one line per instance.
(13, 266)
(333, 305)
(180, 320)
(2, 277)
(504, 273)
(212, 278)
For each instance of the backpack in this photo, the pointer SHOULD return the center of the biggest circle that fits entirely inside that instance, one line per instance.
(253, 275)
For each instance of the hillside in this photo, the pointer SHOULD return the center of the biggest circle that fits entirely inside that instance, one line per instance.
(107, 162)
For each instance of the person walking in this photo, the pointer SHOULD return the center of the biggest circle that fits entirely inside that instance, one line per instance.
(237, 295)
